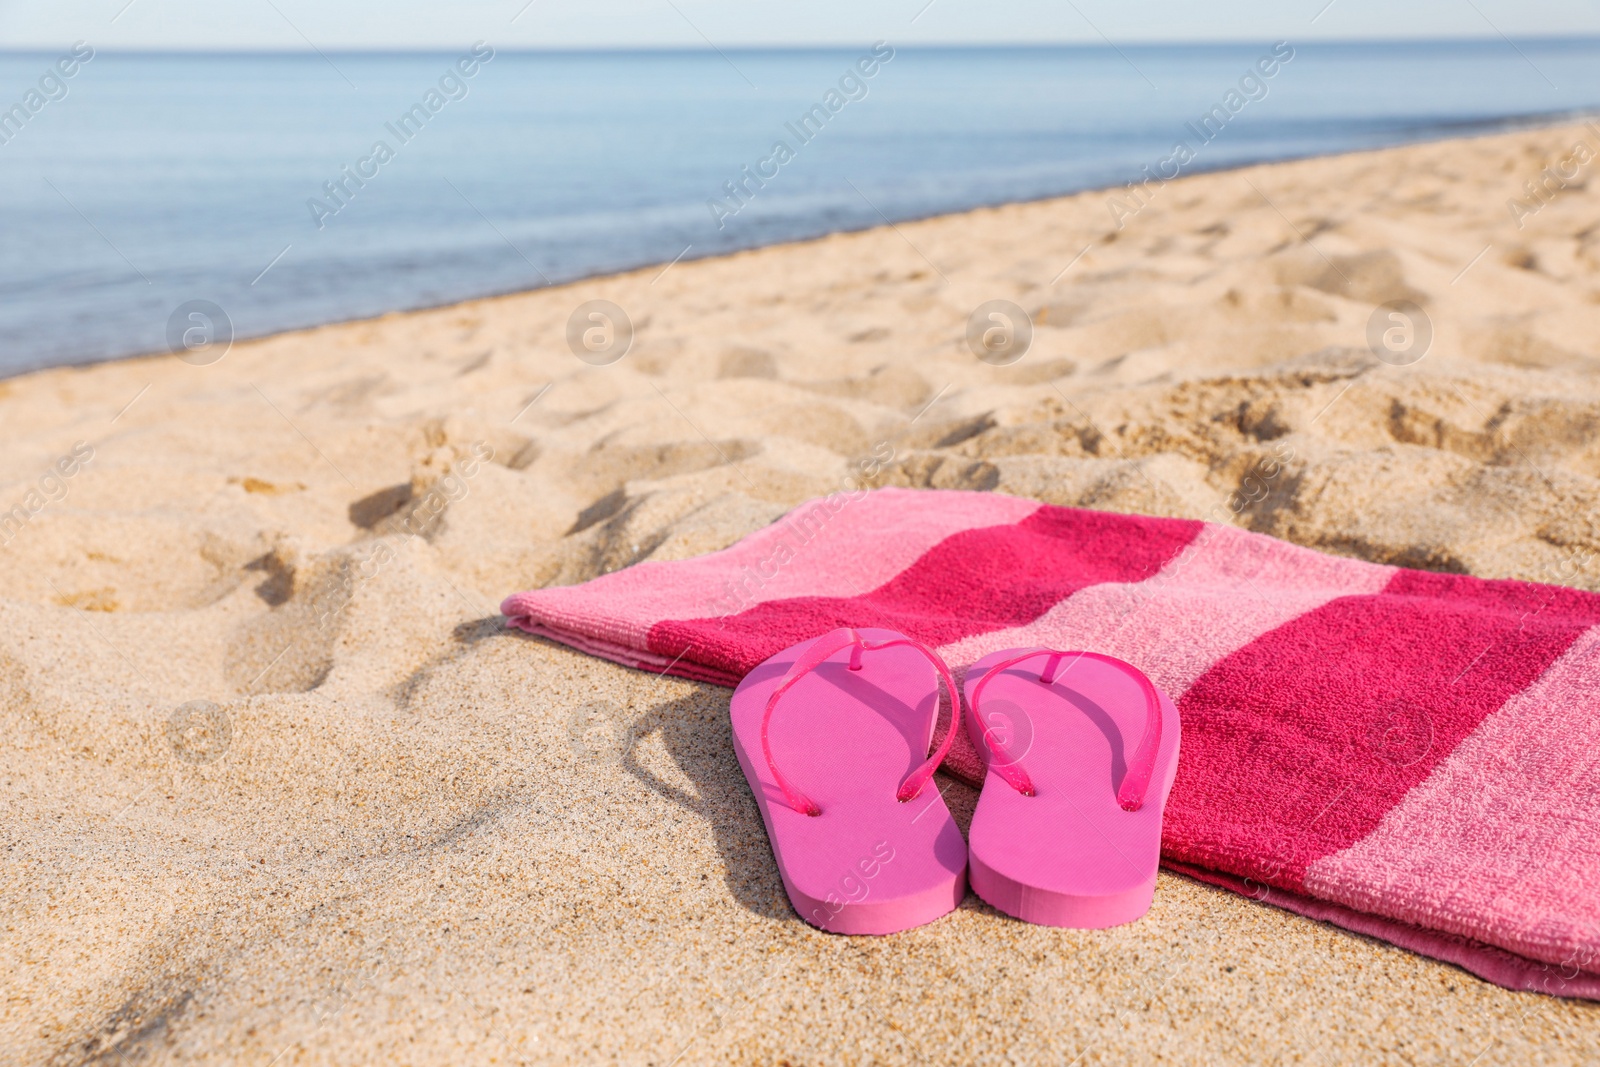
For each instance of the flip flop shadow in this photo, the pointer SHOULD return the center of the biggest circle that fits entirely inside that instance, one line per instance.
(697, 735)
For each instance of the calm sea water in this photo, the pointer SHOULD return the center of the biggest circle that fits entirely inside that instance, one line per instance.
(161, 179)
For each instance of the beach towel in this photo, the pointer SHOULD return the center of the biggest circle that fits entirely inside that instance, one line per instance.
(1411, 755)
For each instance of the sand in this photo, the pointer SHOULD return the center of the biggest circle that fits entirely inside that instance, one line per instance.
(280, 789)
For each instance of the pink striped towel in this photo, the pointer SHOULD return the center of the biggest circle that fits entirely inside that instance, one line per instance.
(1410, 755)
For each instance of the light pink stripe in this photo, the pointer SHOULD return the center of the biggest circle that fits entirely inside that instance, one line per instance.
(1222, 592)
(1501, 843)
(1485, 961)
(827, 535)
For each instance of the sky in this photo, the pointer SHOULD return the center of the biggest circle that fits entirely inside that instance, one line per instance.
(379, 24)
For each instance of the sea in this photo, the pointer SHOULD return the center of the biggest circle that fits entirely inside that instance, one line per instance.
(285, 190)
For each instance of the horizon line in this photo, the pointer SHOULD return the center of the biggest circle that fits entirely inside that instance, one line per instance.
(576, 49)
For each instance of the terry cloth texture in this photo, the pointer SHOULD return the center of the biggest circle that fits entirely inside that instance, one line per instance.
(1410, 755)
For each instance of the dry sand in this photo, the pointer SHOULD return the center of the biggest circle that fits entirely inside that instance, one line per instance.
(398, 833)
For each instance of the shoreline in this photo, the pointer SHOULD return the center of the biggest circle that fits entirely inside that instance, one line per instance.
(1461, 130)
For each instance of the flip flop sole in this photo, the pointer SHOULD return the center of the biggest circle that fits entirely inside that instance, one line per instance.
(868, 864)
(1069, 855)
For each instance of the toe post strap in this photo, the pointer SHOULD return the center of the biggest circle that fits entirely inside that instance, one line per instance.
(817, 654)
(1141, 765)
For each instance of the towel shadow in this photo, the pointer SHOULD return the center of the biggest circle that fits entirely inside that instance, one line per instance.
(465, 637)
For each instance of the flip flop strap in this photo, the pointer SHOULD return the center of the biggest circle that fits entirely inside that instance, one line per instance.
(813, 657)
(1141, 768)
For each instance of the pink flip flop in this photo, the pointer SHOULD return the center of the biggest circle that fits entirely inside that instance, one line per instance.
(864, 844)
(1081, 751)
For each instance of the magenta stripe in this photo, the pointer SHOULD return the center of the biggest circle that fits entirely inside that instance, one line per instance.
(1498, 844)
(1297, 746)
(1225, 590)
(972, 582)
(825, 548)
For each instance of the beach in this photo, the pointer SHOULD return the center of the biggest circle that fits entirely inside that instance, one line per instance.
(281, 788)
